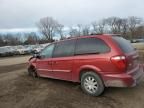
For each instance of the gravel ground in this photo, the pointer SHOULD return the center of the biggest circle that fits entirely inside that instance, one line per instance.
(18, 90)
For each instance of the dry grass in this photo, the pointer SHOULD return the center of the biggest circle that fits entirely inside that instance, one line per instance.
(140, 48)
(141, 57)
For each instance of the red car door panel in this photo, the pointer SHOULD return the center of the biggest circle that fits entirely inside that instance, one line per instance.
(44, 63)
(62, 68)
(62, 62)
(44, 67)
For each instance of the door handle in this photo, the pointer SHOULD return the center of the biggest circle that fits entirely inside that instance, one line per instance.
(49, 63)
(54, 62)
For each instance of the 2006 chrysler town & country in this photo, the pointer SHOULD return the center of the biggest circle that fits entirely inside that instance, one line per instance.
(96, 61)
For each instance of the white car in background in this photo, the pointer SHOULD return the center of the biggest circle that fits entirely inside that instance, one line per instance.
(11, 50)
(5, 51)
(37, 48)
(21, 49)
(44, 45)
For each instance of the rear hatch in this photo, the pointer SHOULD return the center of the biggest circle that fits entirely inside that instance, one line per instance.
(129, 52)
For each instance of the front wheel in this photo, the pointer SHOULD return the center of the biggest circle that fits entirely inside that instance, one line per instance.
(92, 84)
(32, 72)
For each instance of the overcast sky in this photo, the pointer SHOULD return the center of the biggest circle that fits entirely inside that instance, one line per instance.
(16, 14)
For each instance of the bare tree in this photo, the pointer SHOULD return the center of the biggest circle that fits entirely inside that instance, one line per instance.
(32, 38)
(115, 24)
(73, 32)
(11, 39)
(60, 28)
(1, 41)
(133, 23)
(48, 27)
(80, 27)
(86, 30)
(99, 27)
(140, 31)
(124, 27)
(94, 25)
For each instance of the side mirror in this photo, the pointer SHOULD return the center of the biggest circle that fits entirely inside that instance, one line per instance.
(37, 56)
(35, 52)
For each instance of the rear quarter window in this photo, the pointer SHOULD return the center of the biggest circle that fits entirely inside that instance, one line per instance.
(91, 46)
(124, 44)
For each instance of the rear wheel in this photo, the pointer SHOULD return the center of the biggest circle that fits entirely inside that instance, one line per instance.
(92, 84)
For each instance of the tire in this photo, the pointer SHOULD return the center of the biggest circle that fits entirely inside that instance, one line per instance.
(29, 71)
(92, 84)
(32, 72)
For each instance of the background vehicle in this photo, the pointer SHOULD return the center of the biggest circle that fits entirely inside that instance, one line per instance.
(12, 50)
(21, 50)
(138, 41)
(96, 62)
(37, 48)
(4, 51)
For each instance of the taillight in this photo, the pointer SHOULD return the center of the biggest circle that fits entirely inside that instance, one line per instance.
(120, 62)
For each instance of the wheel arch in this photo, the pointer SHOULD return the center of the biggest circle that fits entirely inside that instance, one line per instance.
(31, 67)
(89, 68)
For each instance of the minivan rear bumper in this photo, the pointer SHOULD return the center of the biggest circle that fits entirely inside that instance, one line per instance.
(128, 79)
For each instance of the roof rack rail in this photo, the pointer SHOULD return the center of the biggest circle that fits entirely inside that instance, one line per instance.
(96, 34)
(116, 34)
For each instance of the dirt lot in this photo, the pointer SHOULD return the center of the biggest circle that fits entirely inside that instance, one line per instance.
(13, 60)
(18, 90)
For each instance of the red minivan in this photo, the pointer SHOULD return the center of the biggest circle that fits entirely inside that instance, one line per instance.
(96, 61)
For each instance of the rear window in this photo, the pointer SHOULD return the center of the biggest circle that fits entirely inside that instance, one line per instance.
(124, 44)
